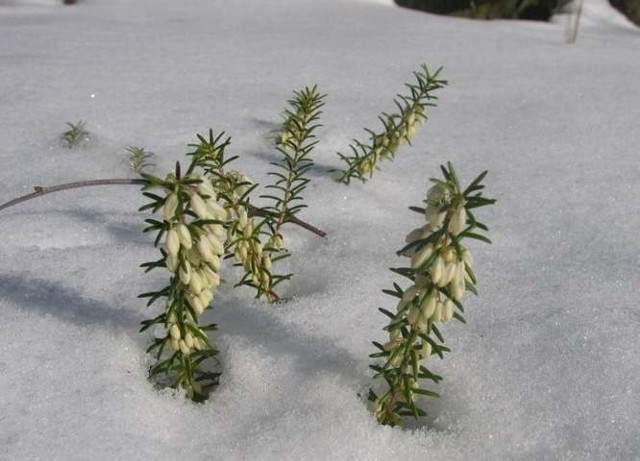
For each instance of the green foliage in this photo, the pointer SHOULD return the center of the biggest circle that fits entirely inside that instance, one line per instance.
(139, 159)
(193, 226)
(76, 135)
(399, 128)
(245, 232)
(208, 217)
(440, 271)
(295, 143)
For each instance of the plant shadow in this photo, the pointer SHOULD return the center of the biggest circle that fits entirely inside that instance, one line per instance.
(65, 303)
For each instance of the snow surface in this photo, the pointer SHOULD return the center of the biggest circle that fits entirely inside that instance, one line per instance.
(547, 367)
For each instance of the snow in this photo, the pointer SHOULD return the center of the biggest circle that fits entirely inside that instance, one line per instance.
(547, 367)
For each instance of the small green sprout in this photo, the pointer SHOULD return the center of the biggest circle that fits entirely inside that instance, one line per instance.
(76, 135)
(139, 159)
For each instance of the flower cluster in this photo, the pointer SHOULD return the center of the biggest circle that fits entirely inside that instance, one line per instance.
(244, 237)
(399, 128)
(193, 252)
(194, 228)
(441, 271)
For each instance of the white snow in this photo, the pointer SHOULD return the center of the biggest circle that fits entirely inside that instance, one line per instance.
(547, 367)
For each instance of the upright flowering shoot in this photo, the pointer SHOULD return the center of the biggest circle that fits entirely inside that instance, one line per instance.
(441, 272)
(191, 238)
(295, 143)
(244, 232)
(399, 128)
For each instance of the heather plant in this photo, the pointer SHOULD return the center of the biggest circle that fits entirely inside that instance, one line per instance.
(207, 216)
(295, 142)
(139, 159)
(76, 135)
(399, 128)
(204, 216)
(193, 226)
(440, 272)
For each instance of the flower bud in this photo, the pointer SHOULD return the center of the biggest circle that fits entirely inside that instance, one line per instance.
(257, 248)
(205, 297)
(185, 273)
(175, 345)
(266, 279)
(278, 243)
(428, 306)
(447, 313)
(184, 235)
(242, 217)
(411, 293)
(170, 206)
(173, 242)
(458, 276)
(458, 220)
(215, 263)
(467, 257)
(421, 256)
(266, 262)
(412, 316)
(437, 313)
(206, 189)
(436, 193)
(183, 348)
(174, 331)
(204, 248)
(215, 229)
(243, 253)
(414, 235)
(434, 215)
(411, 131)
(198, 206)
(195, 283)
(447, 274)
(213, 279)
(217, 211)
(216, 246)
(188, 340)
(196, 303)
(457, 291)
(248, 230)
(437, 269)
(172, 262)
(448, 254)
(411, 118)
(426, 349)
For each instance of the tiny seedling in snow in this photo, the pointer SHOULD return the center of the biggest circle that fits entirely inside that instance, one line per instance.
(76, 135)
(139, 159)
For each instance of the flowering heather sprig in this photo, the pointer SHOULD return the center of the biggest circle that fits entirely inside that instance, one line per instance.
(193, 230)
(441, 271)
(295, 143)
(244, 232)
(399, 128)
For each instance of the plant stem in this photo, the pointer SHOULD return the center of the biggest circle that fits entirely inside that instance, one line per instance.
(40, 191)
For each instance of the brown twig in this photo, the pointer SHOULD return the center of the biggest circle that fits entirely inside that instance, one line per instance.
(40, 191)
